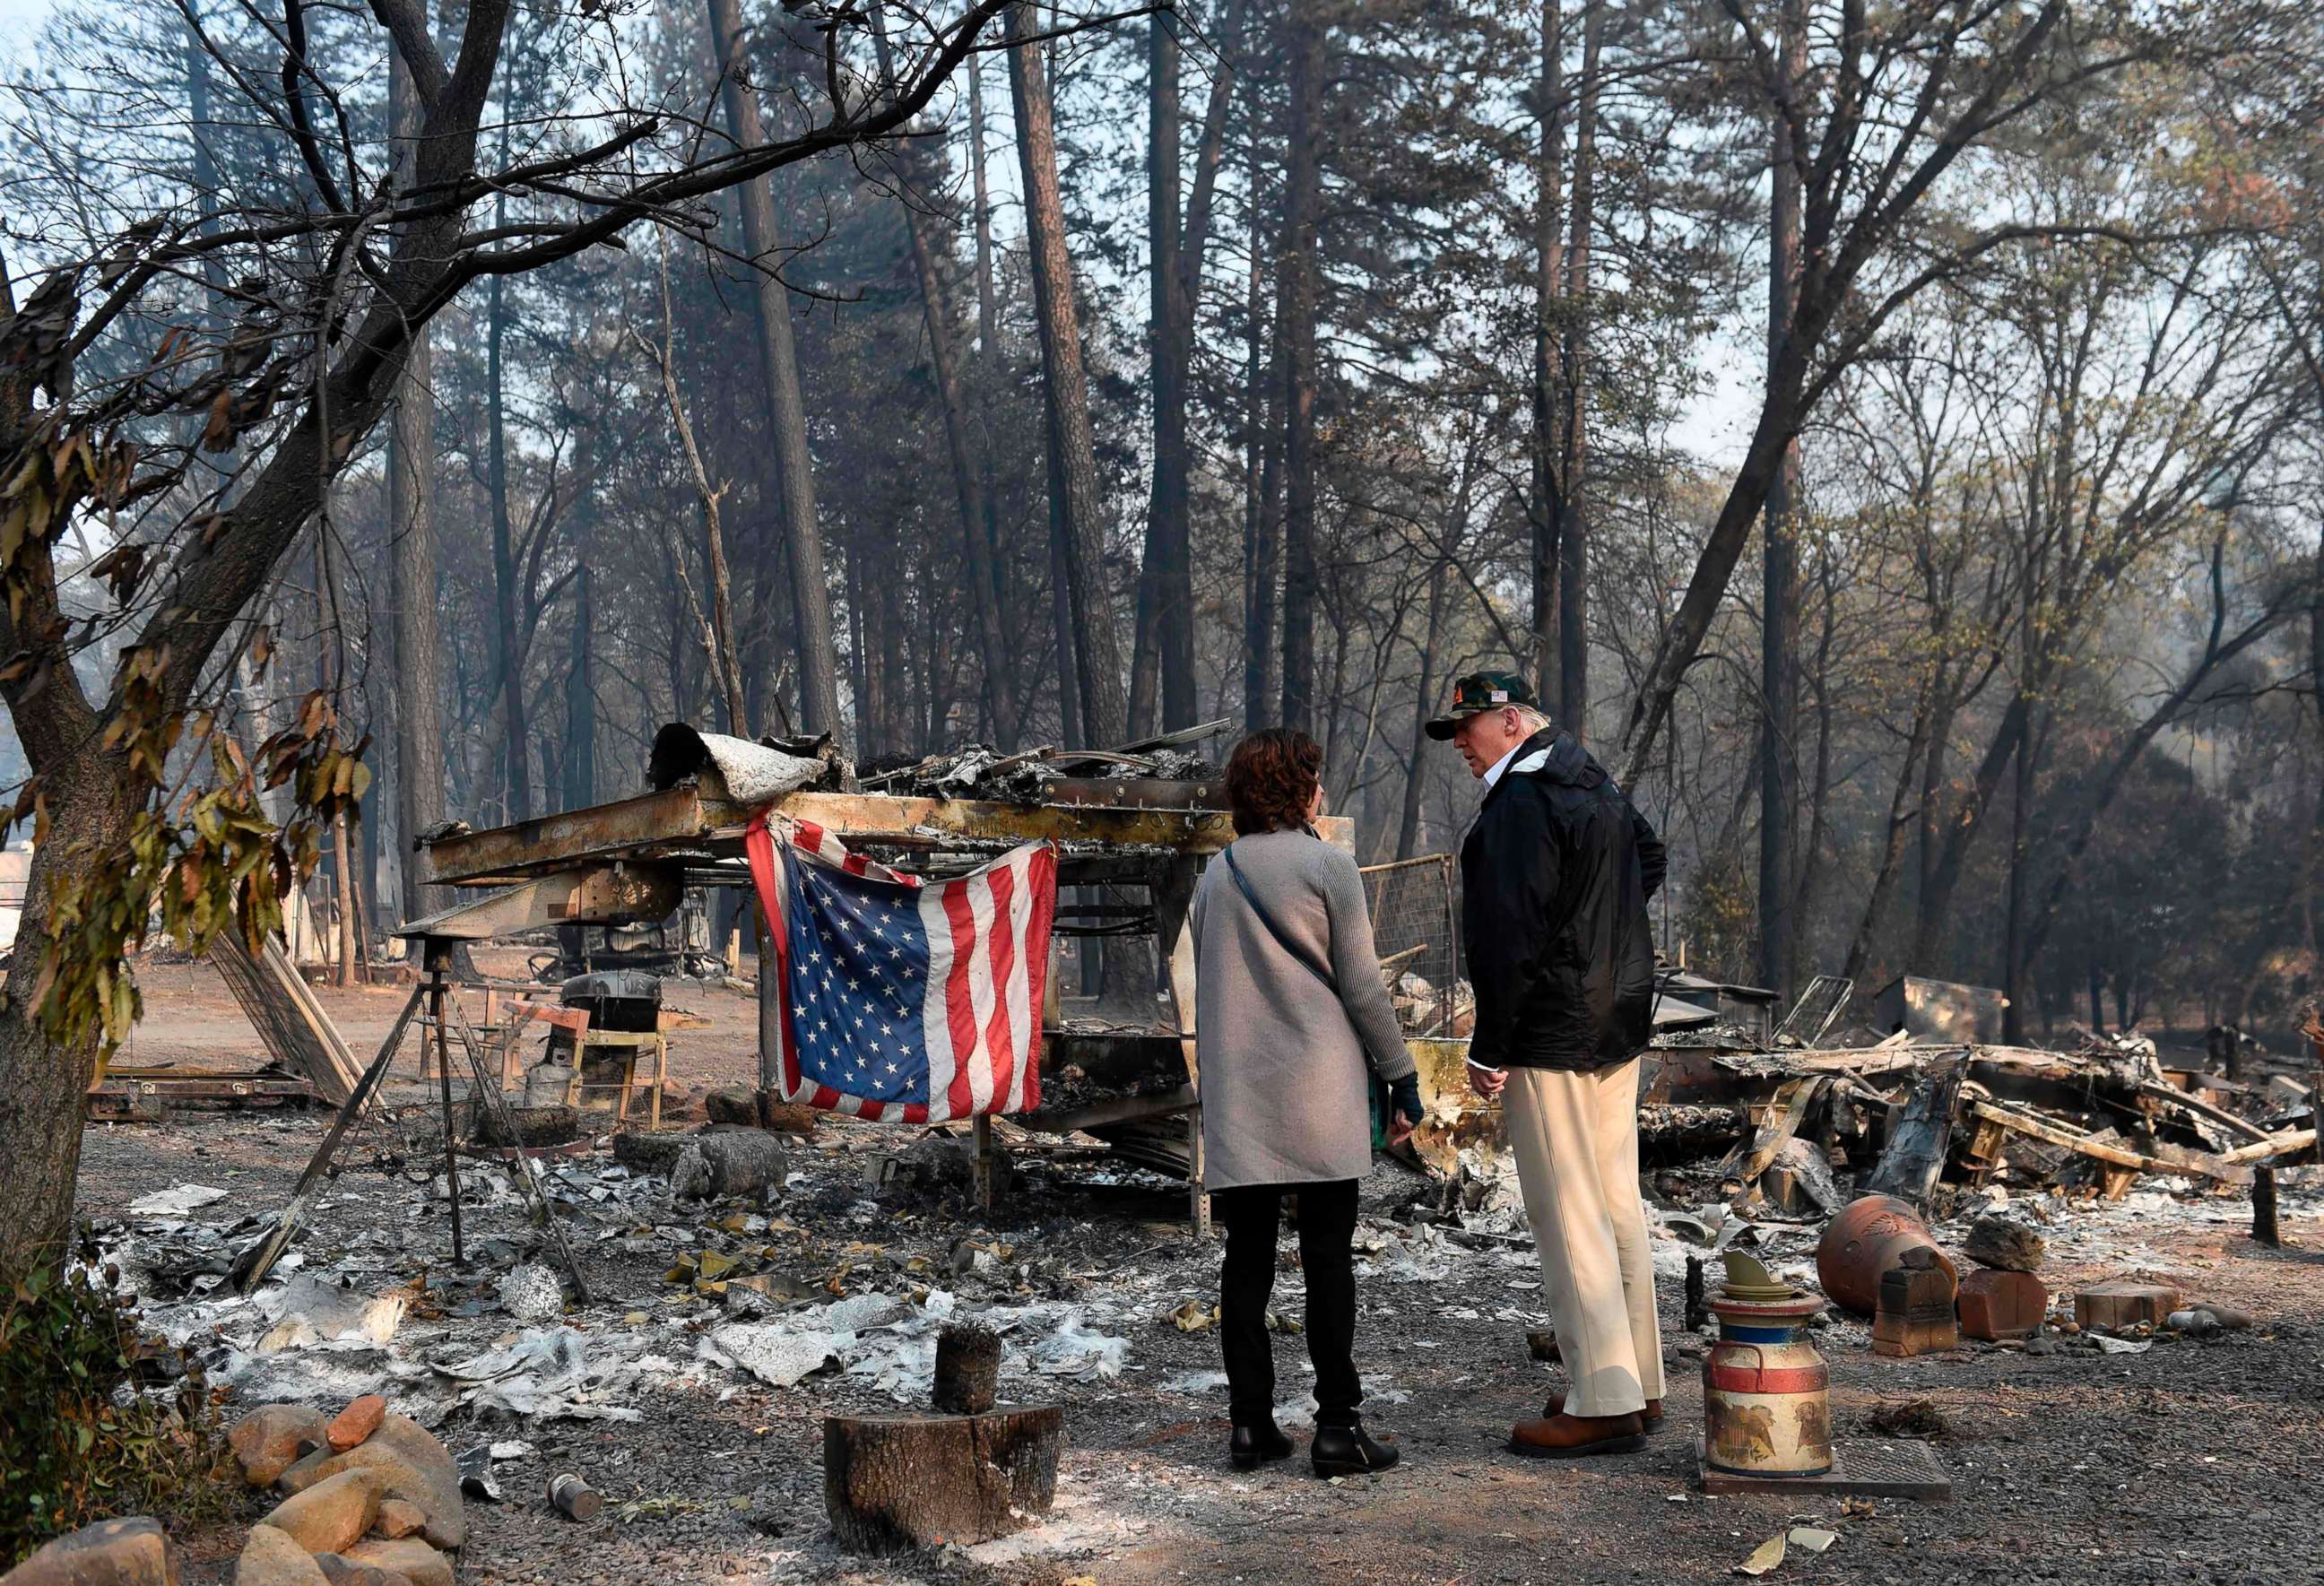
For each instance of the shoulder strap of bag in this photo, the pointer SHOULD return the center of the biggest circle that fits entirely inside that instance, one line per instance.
(1299, 954)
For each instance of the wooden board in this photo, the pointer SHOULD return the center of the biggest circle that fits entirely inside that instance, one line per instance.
(283, 1008)
(689, 822)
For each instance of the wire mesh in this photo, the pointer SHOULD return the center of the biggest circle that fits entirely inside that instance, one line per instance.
(1416, 934)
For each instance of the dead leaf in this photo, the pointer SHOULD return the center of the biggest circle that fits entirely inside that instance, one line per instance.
(1765, 1557)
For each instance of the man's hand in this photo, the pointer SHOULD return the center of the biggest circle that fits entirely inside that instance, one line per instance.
(1486, 1082)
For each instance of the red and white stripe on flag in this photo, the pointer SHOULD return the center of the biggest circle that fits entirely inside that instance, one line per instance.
(978, 1008)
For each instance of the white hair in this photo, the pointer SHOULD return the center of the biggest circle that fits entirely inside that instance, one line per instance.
(1533, 718)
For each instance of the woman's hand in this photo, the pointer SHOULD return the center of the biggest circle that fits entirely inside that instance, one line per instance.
(1486, 1082)
(1406, 1110)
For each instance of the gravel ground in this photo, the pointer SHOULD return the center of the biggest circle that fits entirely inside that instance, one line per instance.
(2192, 1460)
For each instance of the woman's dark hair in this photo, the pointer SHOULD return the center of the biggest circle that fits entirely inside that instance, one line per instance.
(1271, 780)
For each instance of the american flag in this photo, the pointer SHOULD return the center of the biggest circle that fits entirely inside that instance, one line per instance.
(911, 1000)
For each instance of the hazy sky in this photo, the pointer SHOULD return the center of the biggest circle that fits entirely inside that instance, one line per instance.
(18, 20)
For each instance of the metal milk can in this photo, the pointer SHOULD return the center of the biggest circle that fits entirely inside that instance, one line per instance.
(1766, 1393)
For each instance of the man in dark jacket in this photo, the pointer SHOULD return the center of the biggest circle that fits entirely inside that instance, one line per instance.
(1554, 876)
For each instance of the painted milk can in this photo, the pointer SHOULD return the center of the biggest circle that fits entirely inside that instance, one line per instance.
(1766, 1393)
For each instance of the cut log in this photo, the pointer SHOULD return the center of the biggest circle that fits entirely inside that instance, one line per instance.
(745, 1162)
(895, 1482)
(968, 1370)
(527, 1126)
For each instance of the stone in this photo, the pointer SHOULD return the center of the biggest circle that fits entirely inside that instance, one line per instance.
(131, 1552)
(398, 1517)
(339, 1572)
(308, 1469)
(2122, 1304)
(271, 1558)
(1997, 1305)
(330, 1515)
(407, 1556)
(2006, 1243)
(411, 1465)
(359, 1421)
(271, 1438)
(733, 1105)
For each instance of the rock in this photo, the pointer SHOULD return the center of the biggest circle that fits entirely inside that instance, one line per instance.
(733, 1105)
(2229, 1317)
(413, 1466)
(340, 1572)
(746, 1162)
(359, 1421)
(759, 1109)
(407, 1556)
(531, 1293)
(308, 1469)
(1541, 1343)
(2006, 1243)
(271, 1558)
(398, 1517)
(271, 1438)
(332, 1515)
(112, 1553)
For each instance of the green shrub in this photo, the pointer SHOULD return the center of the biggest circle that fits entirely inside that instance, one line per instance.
(81, 1440)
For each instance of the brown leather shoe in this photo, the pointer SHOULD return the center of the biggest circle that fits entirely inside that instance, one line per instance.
(1573, 1437)
(1652, 1415)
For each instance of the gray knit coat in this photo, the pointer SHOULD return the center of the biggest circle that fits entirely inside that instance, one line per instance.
(1284, 1099)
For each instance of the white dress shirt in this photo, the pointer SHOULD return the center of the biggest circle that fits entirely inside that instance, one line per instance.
(1493, 772)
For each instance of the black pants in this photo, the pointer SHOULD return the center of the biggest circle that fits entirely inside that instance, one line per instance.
(1327, 1228)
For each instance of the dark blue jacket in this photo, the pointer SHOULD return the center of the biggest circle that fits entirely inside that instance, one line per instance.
(1555, 878)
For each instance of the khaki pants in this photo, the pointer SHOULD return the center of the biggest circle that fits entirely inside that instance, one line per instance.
(1576, 1139)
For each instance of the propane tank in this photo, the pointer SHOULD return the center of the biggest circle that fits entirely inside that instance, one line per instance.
(1766, 1393)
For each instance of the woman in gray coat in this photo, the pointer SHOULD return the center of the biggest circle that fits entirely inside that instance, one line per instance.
(1289, 1011)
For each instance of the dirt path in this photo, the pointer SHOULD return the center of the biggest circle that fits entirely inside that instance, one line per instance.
(2194, 1460)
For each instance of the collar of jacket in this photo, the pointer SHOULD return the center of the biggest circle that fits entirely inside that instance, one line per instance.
(1553, 755)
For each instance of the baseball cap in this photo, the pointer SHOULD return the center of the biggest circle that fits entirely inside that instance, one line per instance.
(1479, 692)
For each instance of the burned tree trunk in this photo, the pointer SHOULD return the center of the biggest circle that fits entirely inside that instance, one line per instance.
(967, 467)
(1572, 524)
(411, 563)
(1074, 486)
(1542, 508)
(786, 409)
(1298, 289)
(1778, 728)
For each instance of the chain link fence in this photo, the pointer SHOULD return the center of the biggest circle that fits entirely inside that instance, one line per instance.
(1415, 932)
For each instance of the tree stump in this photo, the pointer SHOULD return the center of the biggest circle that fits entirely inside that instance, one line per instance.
(968, 1370)
(894, 1482)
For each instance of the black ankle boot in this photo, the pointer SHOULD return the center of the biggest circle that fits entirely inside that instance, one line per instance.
(1349, 1450)
(1251, 1446)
